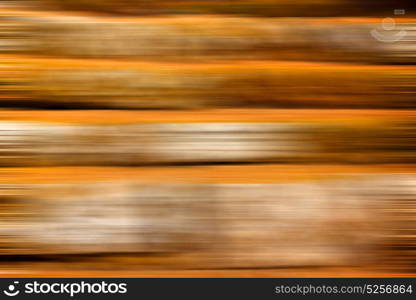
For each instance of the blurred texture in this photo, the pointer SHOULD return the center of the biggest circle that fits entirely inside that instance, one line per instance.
(194, 138)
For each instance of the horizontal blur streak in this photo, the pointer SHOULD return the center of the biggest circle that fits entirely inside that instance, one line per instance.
(200, 134)
(273, 8)
(213, 38)
(90, 83)
(200, 218)
(215, 222)
(35, 143)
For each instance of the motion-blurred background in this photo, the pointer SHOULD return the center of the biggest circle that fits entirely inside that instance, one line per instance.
(207, 138)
